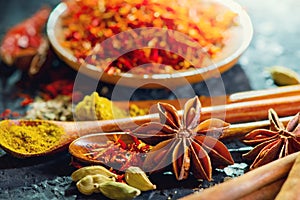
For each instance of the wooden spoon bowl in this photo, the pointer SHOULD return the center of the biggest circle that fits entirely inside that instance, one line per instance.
(90, 148)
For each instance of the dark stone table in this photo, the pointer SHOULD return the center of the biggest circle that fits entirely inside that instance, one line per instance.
(275, 42)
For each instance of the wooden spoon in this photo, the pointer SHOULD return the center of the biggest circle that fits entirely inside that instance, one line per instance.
(232, 113)
(73, 130)
(79, 147)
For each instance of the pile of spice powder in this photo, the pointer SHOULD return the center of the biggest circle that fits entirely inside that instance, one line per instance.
(29, 137)
(89, 22)
(94, 107)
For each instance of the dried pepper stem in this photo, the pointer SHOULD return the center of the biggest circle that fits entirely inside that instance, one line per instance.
(248, 183)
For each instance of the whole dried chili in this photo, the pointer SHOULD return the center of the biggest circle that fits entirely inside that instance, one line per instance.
(90, 22)
(25, 40)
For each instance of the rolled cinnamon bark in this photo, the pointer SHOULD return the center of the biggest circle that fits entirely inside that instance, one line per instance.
(248, 183)
(267, 192)
(290, 189)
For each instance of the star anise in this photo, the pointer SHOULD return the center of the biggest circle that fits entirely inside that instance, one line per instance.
(185, 144)
(275, 143)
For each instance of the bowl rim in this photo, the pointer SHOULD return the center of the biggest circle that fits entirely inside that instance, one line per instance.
(226, 63)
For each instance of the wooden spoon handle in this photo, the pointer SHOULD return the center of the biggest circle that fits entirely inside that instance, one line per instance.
(282, 91)
(252, 95)
(241, 129)
(253, 110)
(233, 113)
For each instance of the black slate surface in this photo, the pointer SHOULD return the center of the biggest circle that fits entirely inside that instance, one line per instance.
(275, 42)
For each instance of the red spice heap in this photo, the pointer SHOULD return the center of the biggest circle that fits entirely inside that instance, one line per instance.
(90, 22)
(118, 154)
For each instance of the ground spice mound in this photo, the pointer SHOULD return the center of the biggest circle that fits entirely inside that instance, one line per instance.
(29, 136)
(94, 107)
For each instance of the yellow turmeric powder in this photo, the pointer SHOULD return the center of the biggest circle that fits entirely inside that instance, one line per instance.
(135, 110)
(29, 137)
(94, 107)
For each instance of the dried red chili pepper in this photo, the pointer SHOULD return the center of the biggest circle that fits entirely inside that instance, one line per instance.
(24, 44)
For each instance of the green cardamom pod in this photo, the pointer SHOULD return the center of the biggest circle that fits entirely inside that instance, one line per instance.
(86, 186)
(284, 76)
(90, 183)
(137, 178)
(118, 191)
(91, 170)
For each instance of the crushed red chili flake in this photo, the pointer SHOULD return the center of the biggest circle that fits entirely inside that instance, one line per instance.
(5, 114)
(56, 88)
(90, 22)
(26, 101)
(9, 114)
(117, 154)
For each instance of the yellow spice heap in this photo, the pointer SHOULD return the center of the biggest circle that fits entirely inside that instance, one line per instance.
(94, 107)
(29, 137)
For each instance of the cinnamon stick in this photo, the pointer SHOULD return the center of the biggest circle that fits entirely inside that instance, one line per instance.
(249, 182)
(267, 192)
(290, 189)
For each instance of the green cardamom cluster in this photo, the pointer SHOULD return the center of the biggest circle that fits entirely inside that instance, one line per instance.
(95, 179)
(91, 170)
